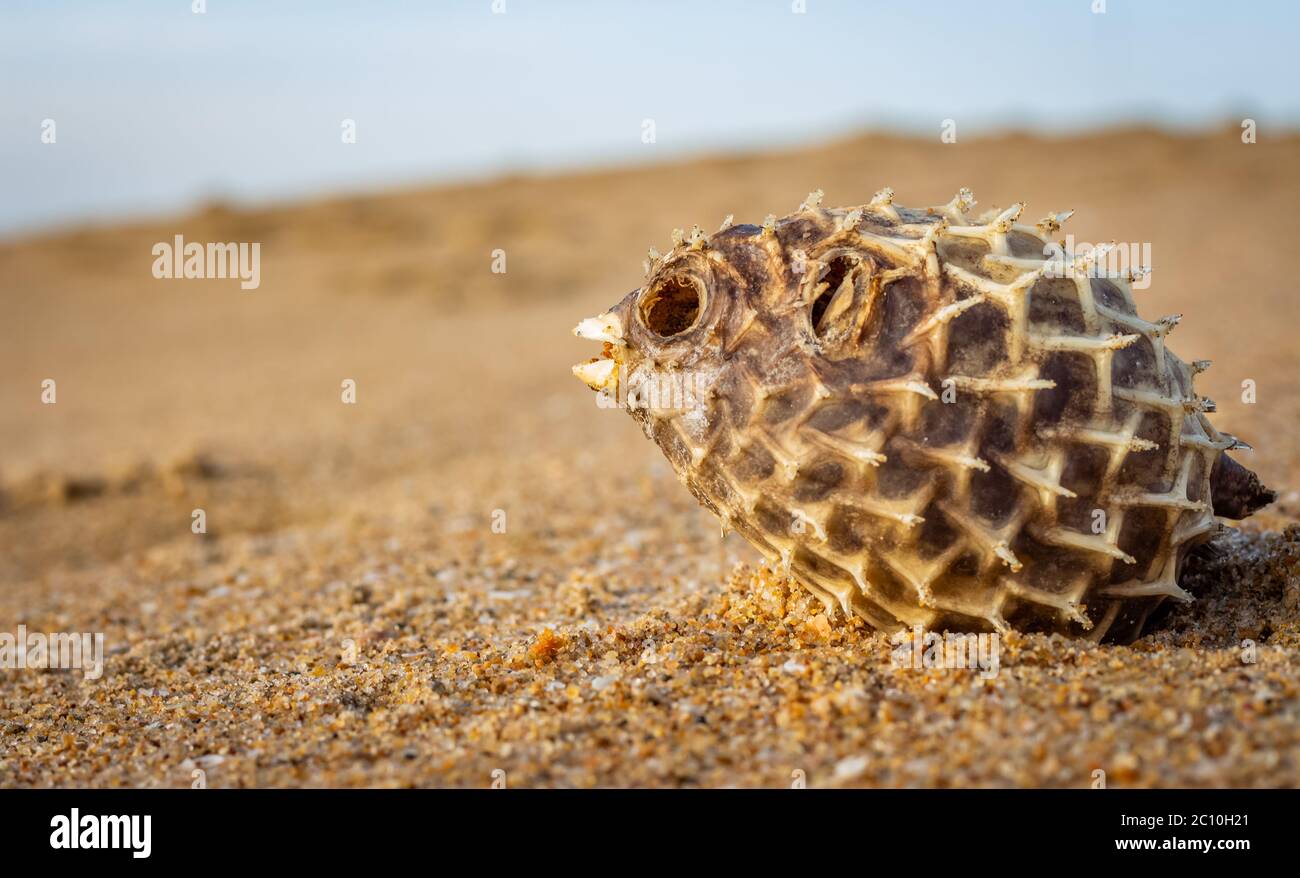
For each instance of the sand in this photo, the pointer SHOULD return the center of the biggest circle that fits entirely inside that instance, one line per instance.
(474, 570)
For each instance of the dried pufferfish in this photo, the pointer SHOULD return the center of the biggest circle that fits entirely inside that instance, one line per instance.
(925, 420)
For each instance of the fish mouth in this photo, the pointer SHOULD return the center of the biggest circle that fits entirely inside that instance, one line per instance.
(601, 373)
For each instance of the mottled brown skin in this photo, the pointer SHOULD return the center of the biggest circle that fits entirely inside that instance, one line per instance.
(924, 428)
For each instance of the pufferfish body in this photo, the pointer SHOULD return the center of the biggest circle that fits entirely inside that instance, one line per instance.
(927, 418)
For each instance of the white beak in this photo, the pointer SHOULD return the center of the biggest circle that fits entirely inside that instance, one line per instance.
(606, 327)
(597, 374)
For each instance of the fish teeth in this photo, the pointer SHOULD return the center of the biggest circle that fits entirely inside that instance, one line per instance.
(597, 374)
(606, 327)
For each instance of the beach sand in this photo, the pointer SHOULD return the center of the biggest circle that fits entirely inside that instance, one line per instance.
(474, 574)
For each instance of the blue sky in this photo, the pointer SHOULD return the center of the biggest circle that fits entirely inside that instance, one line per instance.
(157, 108)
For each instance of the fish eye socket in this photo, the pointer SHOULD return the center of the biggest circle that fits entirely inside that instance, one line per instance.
(828, 306)
(838, 269)
(672, 306)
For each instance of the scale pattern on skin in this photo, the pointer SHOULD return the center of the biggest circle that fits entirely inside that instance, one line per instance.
(922, 418)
